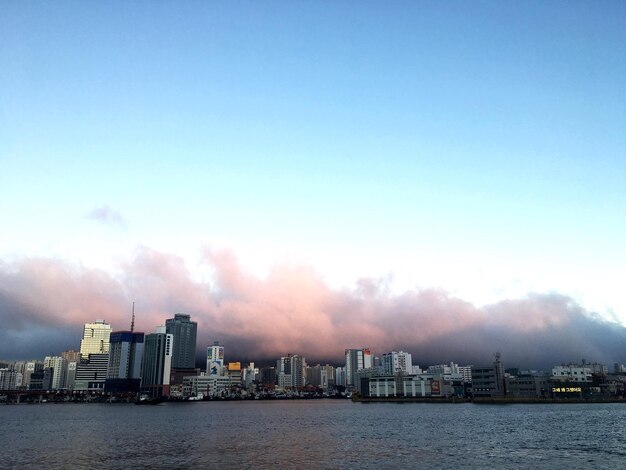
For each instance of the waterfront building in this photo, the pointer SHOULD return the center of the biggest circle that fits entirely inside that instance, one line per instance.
(95, 338)
(320, 376)
(340, 376)
(250, 376)
(215, 359)
(31, 367)
(233, 371)
(394, 362)
(8, 379)
(425, 385)
(71, 359)
(488, 381)
(185, 332)
(356, 359)
(20, 371)
(36, 380)
(291, 371)
(91, 373)
(157, 363)
(207, 385)
(125, 359)
(267, 378)
(572, 373)
(54, 365)
(528, 386)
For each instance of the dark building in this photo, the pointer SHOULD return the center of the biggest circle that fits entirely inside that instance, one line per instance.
(125, 357)
(185, 332)
(488, 382)
(157, 363)
(267, 377)
(36, 380)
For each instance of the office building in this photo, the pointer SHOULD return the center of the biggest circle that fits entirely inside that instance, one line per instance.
(488, 381)
(125, 358)
(157, 363)
(91, 373)
(185, 332)
(95, 338)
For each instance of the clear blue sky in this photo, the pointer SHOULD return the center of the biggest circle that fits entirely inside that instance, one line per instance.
(434, 141)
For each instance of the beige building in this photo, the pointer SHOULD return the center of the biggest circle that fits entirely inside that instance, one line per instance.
(95, 338)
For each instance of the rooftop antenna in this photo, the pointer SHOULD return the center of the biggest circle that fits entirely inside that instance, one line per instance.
(132, 322)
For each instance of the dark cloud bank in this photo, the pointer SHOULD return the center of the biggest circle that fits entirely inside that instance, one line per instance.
(44, 302)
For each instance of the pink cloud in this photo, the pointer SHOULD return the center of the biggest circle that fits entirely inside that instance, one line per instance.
(292, 310)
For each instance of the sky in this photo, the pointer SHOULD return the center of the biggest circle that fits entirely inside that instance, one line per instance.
(310, 176)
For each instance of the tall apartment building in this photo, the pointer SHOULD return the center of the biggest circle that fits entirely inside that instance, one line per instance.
(291, 371)
(185, 332)
(95, 338)
(395, 362)
(157, 363)
(55, 366)
(8, 379)
(356, 359)
(71, 360)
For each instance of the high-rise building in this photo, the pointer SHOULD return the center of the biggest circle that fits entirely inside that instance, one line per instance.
(394, 363)
(320, 376)
(185, 332)
(8, 378)
(71, 359)
(31, 367)
(215, 359)
(356, 359)
(95, 338)
(157, 363)
(291, 371)
(55, 364)
(125, 358)
(91, 373)
(340, 376)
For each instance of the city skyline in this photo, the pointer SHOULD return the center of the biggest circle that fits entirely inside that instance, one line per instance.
(446, 179)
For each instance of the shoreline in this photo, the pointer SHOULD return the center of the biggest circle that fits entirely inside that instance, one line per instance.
(485, 401)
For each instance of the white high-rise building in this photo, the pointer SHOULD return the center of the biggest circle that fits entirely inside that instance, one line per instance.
(397, 362)
(95, 338)
(215, 359)
(291, 371)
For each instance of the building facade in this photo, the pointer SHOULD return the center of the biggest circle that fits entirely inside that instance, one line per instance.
(356, 359)
(395, 362)
(185, 332)
(157, 363)
(215, 359)
(488, 381)
(95, 338)
(91, 373)
(125, 358)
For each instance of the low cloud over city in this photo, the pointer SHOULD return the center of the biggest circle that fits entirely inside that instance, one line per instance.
(44, 303)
